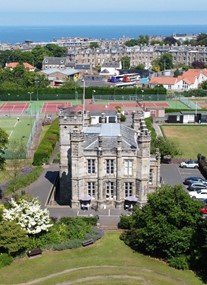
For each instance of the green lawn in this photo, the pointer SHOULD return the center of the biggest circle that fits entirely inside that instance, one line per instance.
(191, 139)
(108, 261)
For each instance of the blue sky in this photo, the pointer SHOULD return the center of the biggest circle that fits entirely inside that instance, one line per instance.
(94, 12)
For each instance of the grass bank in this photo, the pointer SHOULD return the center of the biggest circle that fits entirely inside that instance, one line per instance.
(108, 261)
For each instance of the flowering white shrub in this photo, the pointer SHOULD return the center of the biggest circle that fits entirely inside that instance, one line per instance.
(29, 215)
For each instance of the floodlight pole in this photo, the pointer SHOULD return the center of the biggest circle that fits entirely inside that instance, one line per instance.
(84, 91)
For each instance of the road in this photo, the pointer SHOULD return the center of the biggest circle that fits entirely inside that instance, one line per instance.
(171, 175)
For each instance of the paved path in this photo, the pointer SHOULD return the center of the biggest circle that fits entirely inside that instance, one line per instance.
(157, 130)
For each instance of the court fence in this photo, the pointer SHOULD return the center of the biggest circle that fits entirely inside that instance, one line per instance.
(189, 103)
(133, 97)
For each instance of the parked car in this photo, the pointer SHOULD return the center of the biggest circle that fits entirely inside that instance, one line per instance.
(189, 164)
(197, 186)
(200, 194)
(192, 179)
(204, 210)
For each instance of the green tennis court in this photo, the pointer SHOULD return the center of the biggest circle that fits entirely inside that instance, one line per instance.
(18, 129)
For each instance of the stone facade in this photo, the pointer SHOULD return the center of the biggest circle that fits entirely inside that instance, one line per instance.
(107, 162)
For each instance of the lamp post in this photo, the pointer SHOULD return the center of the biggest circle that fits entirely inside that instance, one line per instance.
(92, 101)
(30, 100)
(84, 95)
(8, 96)
(37, 83)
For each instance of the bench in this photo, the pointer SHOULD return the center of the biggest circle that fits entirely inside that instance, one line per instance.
(87, 242)
(34, 252)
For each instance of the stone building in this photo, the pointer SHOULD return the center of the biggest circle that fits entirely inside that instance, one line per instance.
(105, 164)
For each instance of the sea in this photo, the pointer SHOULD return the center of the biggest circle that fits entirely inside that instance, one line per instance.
(19, 34)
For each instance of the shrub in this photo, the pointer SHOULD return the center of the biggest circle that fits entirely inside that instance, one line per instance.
(179, 262)
(75, 243)
(94, 234)
(47, 145)
(125, 222)
(5, 259)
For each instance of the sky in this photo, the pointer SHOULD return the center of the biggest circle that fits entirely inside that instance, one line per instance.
(105, 12)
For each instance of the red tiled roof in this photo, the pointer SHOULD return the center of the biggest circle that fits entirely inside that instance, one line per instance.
(14, 64)
(163, 80)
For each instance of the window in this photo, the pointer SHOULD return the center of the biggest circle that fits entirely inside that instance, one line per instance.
(128, 189)
(109, 190)
(128, 167)
(150, 176)
(92, 189)
(109, 166)
(91, 166)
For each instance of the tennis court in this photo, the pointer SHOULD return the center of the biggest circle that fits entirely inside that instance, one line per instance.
(14, 108)
(54, 107)
(18, 129)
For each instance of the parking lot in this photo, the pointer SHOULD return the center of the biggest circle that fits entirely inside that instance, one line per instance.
(172, 174)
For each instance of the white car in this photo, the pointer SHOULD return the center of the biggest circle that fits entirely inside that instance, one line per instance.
(189, 164)
(200, 194)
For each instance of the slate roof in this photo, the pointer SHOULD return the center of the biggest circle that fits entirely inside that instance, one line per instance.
(109, 133)
(54, 60)
(66, 71)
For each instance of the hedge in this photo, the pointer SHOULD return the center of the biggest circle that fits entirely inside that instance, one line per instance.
(24, 180)
(47, 145)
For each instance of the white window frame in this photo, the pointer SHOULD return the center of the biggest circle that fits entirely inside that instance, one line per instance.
(128, 188)
(110, 166)
(128, 166)
(110, 187)
(91, 166)
(92, 189)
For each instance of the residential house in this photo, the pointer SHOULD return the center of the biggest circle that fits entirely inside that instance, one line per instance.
(110, 68)
(188, 80)
(12, 65)
(54, 62)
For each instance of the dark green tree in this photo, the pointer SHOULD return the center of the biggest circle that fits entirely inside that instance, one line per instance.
(166, 226)
(204, 85)
(55, 50)
(13, 239)
(170, 40)
(166, 61)
(166, 147)
(125, 61)
(143, 40)
(94, 45)
(3, 144)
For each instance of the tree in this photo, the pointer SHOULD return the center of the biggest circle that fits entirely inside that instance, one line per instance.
(29, 215)
(125, 61)
(204, 85)
(3, 143)
(170, 40)
(17, 150)
(143, 40)
(166, 61)
(94, 45)
(13, 239)
(166, 147)
(166, 226)
(55, 50)
(198, 64)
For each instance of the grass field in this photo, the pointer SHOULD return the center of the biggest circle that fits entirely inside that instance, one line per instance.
(190, 139)
(109, 261)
